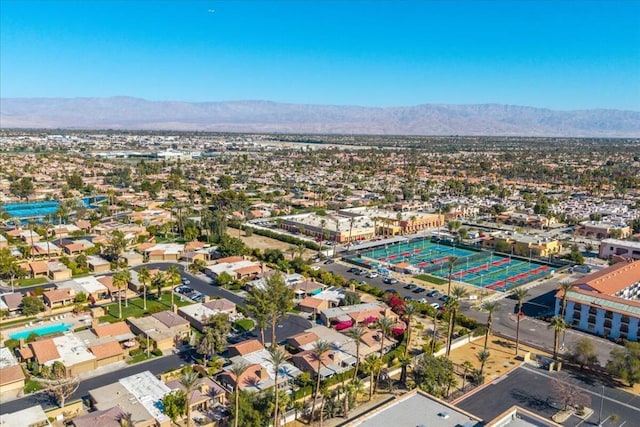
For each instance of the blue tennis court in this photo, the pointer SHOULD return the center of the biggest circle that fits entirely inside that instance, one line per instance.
(480, 268)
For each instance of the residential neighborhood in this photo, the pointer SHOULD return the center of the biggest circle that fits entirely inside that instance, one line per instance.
(251, 280)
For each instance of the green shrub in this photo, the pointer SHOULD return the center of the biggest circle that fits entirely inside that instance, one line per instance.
(11, 344)
(157, 352)
(136, 352)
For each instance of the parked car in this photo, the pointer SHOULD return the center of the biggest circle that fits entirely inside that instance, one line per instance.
(390, 291)
(329, 261)
(372, 275)
(434, 293)
(390, 280)
(444, 298)
(315, 268)
(418, 290)
(353, 270)
(409, 298)
(186, 281)
(411, 286)
(435, 305)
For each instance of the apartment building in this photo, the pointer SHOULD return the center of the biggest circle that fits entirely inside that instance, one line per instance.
(622, 248)
(606, 302)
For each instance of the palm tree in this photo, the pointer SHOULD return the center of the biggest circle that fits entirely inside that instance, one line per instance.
(452, 304)
(452, 263)
(318, 351)
(125, 420)
(467, 367)
(434, 332)
(276, 357)
(404, 361)
(188, 380)
(158, 281)
(121, 281)
(483, 356)
(173, 277)
(372, 364)
(565, 287)
(558, 324)
(490, 307)
(409, 311)
(357, 333)
(323, 223)
(145, 277)
(237, 370)
(521, 294)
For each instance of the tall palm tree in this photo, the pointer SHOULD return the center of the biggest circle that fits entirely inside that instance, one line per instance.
(173, 277)
(490, 307)
(384, 326)
(372, 364)
(237, 370)
(319, 349)
(120, 281)
(521, 294)
(276, 357)
(356, 334)
(467, 366)
(482, 356)
(452, 304)
(323, 223)
(158, 281)
(144, 277)
(558, 324)
(410, 310)
(188, 380)
(565, 287)
(434, 332)
(452, 262)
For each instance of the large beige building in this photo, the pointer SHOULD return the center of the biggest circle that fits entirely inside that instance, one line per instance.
(362, 223)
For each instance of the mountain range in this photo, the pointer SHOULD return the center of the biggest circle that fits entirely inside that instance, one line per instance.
(264, 116)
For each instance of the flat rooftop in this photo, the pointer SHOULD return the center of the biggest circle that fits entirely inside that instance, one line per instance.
(417, 409)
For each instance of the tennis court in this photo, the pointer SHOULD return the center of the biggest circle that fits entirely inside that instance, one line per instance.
(480, 268)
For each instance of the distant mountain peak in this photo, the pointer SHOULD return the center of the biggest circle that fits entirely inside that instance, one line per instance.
(124, 112)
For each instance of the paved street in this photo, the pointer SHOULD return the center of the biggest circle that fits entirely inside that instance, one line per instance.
(541, 301)
(156, 366)
(291, 325)
(531, 388)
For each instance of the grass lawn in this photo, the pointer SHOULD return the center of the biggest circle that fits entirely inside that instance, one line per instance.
(135, 307)
(431, 279)
(31, 282)
(32, 386)
(139, 358)
(244, 325)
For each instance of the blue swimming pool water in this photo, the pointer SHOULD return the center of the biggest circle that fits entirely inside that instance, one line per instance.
(41, 331)
(44, 208)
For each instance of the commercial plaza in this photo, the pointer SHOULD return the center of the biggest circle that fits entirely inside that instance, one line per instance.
(480, 268)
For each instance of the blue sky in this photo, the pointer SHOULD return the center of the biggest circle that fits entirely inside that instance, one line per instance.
(561, 55)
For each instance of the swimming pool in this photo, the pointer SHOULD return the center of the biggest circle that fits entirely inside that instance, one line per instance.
(42, 331)
(45, 208)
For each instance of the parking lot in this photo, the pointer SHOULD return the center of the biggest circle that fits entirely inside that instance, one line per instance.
(405, 290)
(532, 389)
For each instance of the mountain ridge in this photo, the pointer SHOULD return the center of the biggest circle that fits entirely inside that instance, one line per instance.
(491, 119)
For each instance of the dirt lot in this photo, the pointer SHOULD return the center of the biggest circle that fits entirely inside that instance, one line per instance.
(261, 242)
(502, 355)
